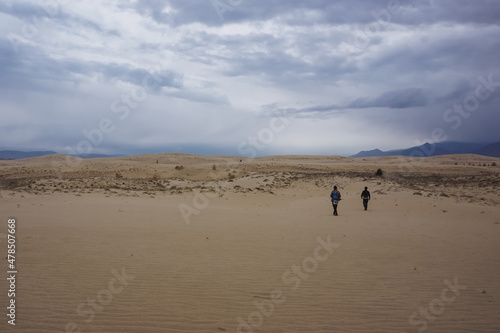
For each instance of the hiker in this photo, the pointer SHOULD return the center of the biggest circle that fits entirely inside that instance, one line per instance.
(365, 195)
(335, 195)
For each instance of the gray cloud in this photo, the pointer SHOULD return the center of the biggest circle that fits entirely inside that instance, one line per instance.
(352, 12)
(219, 79)
(32, 69)
(396, 99)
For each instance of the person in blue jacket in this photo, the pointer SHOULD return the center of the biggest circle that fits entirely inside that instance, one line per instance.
(335, 196)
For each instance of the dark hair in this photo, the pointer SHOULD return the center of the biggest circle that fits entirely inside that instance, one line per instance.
(366, 187)
(335, 187)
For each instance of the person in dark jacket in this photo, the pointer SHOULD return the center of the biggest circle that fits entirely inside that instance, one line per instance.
(365, 195)
(335, 196)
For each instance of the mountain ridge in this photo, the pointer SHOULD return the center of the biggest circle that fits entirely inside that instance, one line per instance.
(17, 154)
(437, 149)
(427, 149)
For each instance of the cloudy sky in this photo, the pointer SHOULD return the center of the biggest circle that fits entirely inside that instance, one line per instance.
(247, 77)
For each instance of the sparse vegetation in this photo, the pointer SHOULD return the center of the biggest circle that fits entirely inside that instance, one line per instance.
(118, 175)
(493, 164)
(155, 176)
(214, 167)
(179, 167)
(379, 172)
(231, 176)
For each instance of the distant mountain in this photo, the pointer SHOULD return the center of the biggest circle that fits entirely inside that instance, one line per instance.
(426, 149)
(492, 150)
(370, 153)
(461, 147)
(440, 148)
(15, 154)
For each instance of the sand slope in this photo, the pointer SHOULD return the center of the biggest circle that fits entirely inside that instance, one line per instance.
(101, 253)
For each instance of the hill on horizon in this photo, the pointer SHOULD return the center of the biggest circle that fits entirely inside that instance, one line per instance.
(17, 154)
(425, 150)
(437, 149)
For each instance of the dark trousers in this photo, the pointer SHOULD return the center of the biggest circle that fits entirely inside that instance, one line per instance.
(365, 203)
(335, 204)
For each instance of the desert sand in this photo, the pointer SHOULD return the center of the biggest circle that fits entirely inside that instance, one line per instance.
(186, 243)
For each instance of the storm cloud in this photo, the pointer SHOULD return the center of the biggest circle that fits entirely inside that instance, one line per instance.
(204, 76)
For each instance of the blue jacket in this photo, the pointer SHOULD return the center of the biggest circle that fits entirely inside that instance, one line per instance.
(336, 192)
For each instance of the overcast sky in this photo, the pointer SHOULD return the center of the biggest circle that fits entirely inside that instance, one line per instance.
(247, 77)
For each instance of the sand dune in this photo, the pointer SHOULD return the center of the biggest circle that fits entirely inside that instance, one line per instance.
(187, 243)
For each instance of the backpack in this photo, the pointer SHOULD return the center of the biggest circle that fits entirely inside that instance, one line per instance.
(335, 196)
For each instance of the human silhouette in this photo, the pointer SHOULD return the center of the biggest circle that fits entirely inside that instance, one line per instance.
(365, 195)
(335, 196)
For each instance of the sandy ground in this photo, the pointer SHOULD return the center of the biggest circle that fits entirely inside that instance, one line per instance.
(184, 243)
